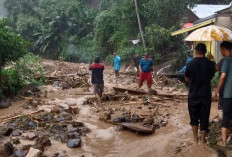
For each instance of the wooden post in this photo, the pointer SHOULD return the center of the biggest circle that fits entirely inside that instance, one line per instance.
(140, 25)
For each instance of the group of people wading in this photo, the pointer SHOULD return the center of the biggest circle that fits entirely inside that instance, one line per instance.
(198, 72)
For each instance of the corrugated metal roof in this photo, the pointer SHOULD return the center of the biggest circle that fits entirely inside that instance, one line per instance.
(205, 10)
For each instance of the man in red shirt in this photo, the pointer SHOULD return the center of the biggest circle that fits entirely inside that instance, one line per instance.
(97, 78)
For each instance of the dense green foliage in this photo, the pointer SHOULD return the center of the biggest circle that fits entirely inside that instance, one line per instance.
(18, 67)
(73, 31)
(25, 71)
(12, 45)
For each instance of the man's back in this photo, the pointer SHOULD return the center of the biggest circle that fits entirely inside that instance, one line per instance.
(117, 62)
(97, 73)
(200, 71)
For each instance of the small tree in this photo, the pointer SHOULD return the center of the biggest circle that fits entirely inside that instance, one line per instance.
(12, 46)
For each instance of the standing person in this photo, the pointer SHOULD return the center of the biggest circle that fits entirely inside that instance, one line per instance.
(136, 61)
(97, 78)
(226, 80)
(117, 64)
(199, 73)
(221, 92)
(189, 58)
(146, 65)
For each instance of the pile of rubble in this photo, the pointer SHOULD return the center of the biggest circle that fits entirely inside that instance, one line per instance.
(66, 75)
(40, 127)
(139, 113)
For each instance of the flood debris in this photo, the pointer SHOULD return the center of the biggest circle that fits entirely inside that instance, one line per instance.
(46, 119)
(34, 152)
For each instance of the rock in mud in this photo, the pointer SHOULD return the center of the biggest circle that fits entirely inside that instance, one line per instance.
(5, 104)
(30, 136)
(8, 148)
(20, 153)
(119, 119)
(16, 133)
(26, 147)
(74, 143)
(64, 138)
(31, 124)
(73, 135)
(63, 105)
(15, 140)
(70, 128)
(177, 150)
(58, 129)
(74, 110)
(148, 121)
(47, 118)
(59, 119)
(56, 110)
(42, 142)
(5, 131)
(84, 130)
(107, 115)
(34, 152)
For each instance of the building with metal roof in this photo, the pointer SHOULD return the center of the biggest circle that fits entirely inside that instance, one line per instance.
(205, 10)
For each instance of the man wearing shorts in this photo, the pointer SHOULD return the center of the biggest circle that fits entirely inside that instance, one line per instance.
(145, 67)
(226, 81)
(199, 73)
(97, 78)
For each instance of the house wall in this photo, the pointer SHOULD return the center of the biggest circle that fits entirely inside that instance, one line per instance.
(224, 20)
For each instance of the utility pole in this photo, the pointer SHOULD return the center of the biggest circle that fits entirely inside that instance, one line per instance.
(140, 25)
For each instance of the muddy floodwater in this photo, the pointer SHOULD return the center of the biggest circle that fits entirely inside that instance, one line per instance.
(104, 140)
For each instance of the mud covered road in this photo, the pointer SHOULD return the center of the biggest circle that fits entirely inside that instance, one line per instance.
(67, 106)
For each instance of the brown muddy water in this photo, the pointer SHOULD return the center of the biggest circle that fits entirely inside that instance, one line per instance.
(173, 140)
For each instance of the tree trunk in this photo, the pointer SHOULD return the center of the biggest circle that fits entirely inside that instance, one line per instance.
(140, 25)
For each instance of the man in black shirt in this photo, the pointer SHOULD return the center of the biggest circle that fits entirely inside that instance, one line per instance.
(199, 73)
(97, 78)
(136, 61)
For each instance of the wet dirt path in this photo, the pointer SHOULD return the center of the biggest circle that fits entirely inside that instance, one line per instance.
(104, 140)
(173, 140)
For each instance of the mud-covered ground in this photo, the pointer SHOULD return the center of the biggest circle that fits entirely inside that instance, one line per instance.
(63, 113)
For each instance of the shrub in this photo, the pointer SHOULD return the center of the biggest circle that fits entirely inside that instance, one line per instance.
(25, 71)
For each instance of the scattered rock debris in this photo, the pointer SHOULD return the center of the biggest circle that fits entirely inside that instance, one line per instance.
(47, 119)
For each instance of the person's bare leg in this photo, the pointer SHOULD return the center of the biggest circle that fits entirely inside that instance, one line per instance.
(203, 136)
(195, 133)
(98, 99)
(224, 136)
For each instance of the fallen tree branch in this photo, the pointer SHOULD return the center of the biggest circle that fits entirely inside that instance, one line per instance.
(9, 119)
